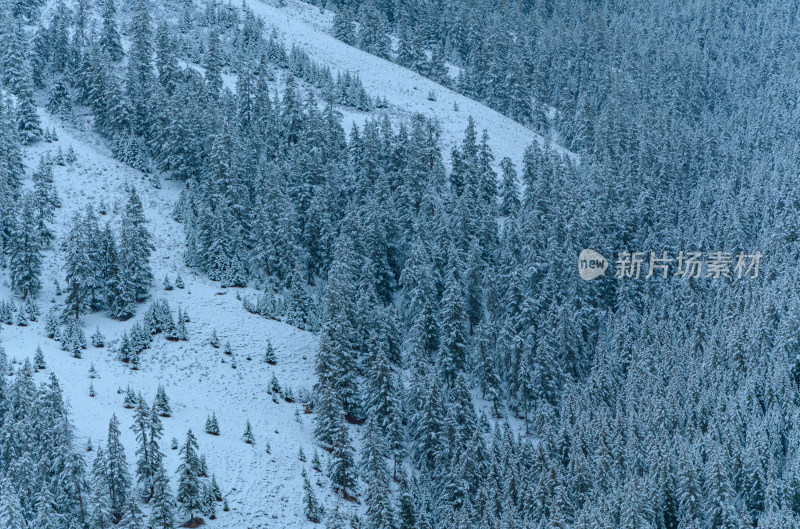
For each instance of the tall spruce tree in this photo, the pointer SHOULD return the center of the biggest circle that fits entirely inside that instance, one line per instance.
(119, 480)
(380, 509)
(189, 489)
(453, 325)
(110, 41)
(136, 246)
(26, 251)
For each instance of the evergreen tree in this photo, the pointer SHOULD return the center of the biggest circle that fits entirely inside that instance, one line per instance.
(162, 511)
(101, 513)
(166, 59)
(132, 518)
(453, 354)
(80, 265)
(380, 511)
(212, 426)
(436, 68)
(189, 489)
(342, 469)
(269, 356)
(47, 511)
(209, 502)
(419, 289)
(248, 437)
(313, 509)
(509, 195)
(38, 359)
(98, 340)
(140, 80)
(372, 36)
(28, 119)
(213, 64)
(26, 248)
(119, 481)
(110, 41)
(45, 200)
(136, 247)
(60, 101)
(145, 466)
(343, 28)
(161, 405)
(11, 514)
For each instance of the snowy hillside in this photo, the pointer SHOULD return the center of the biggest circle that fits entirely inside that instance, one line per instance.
(407, 92)
(261, 268)
(263, 490)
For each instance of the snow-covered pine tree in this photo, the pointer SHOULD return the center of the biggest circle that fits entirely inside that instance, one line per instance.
(119, 480)
(132, 517)
(47, 511)
(213, 64)
(131, 400)
(209, 502)
(60, 100)
(45, 200)
(98, 340)
(161, 403)
(162, 504)
(136, 246)
(269, 355)
(189, 487)
(452, 323)
(144, 462)
(299, 307)
(380, 510)
(419, 291)
(82, 259)
(25, 261)
(215, 488)
(343, 28)
(342, 468)
(509, 194)
(274, 386)
(119, 296)
(31, 308)
(110, 42)
(101, 515)
(27, 116)
(313, 510)
(166, 59)
(212, 426)
(140, 81)
(38, 359)
(11, 513)
(248, 436)
(372, 36)
(202, 467)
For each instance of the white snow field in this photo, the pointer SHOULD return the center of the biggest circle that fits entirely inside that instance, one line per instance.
(263, 490)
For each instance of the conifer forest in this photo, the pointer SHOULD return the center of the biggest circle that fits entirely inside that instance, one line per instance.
(399, 264)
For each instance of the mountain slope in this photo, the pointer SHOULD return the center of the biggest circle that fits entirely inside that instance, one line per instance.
(407, 92)
(262, 489)
(259, 486)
